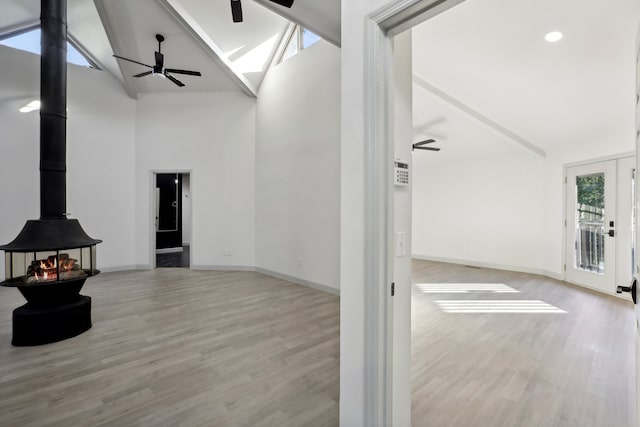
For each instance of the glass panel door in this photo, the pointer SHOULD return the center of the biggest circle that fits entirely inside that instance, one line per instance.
(591, 225)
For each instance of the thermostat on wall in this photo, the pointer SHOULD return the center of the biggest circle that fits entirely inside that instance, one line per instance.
(401, 173)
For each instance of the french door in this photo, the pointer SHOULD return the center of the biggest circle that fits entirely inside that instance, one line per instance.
(599, 224)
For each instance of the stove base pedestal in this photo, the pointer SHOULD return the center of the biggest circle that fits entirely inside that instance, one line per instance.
(33, 325)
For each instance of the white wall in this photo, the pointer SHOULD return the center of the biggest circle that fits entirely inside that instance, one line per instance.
(486, 210)
(298, 168)
(100, 153)
(484, 200)
(210, 135)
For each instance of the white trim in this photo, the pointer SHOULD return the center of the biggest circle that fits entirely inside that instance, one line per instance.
(564, 218)
(480, 264)
(203, 267)
(599, 159)
(152, 251)
(117, 268)
(144, 267)
(379, 202)
(298, 281)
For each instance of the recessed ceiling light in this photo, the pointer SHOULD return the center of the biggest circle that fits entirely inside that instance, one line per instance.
(553, 36)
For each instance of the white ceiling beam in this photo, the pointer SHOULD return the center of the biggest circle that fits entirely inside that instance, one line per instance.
(15, 29)
(512, 136)
(115, 46)
(305, 23)
(195, 30)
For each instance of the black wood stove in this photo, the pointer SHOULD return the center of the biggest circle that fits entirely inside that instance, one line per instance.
(52, 257)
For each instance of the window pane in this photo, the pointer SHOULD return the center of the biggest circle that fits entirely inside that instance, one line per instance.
(30, 42)
(292, 47)
(590, 223)
(308, 38)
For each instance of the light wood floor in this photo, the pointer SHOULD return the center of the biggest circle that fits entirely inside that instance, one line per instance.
(520, 369)
(175, 347)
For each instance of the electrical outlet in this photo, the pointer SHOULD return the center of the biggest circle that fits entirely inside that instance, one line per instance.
(226, 252)
(299, 262)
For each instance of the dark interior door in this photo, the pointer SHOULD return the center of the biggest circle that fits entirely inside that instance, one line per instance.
(168, 210)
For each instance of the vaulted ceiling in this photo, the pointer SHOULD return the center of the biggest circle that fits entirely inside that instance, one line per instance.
(483, 72)
(199, 35)
(481, 69)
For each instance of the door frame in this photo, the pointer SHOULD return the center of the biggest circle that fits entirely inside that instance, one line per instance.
(381, 27)
(563, 221)
(151, 212)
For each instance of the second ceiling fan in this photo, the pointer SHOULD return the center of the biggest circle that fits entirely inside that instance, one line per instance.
(420, 145)
(158, 68)
(236, 7)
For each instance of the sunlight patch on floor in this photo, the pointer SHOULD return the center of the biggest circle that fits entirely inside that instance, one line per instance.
(465, 288)
(497, 306)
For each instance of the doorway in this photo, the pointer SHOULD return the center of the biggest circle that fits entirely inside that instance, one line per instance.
(599, 242)
(172, 218)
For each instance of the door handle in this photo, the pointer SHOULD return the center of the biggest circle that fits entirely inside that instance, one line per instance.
(631, 289)
(612, 233)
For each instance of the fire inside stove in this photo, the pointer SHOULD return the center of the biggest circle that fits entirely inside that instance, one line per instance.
(33, 267)
(54, 268)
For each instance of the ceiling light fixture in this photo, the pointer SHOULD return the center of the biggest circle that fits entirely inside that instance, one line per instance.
(553, 36)
(32, 106)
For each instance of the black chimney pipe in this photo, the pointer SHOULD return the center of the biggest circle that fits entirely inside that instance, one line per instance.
(53, 110)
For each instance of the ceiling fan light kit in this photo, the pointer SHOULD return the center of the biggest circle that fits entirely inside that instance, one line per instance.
(158, 69)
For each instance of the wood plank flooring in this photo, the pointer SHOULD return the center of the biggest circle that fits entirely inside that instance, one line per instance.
(519, 369)
(173, 347)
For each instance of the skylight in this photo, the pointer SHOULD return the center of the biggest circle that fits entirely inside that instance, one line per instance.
(30, 42)
(301, 38)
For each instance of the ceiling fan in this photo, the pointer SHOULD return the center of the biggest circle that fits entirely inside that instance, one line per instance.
(158, 68)
(236, 7)
(419, 145)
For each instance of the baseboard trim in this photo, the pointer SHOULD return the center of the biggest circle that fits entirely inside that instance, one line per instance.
(504, 267)
(117, 268)
(265, 271)
(298, 281)
(200, 267)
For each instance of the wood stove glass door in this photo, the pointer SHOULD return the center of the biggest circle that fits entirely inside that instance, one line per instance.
(168, 210)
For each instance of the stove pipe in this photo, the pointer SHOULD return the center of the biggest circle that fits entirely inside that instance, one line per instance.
(53, 110)
(53, 230)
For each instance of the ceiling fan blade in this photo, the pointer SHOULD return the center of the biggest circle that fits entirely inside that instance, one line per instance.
(285, 3)
(426, 148)
(236, 10)
(159, 60)
(146, 73)
(131, 60)
(187, 72)
(173, 79)
(428, 141)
